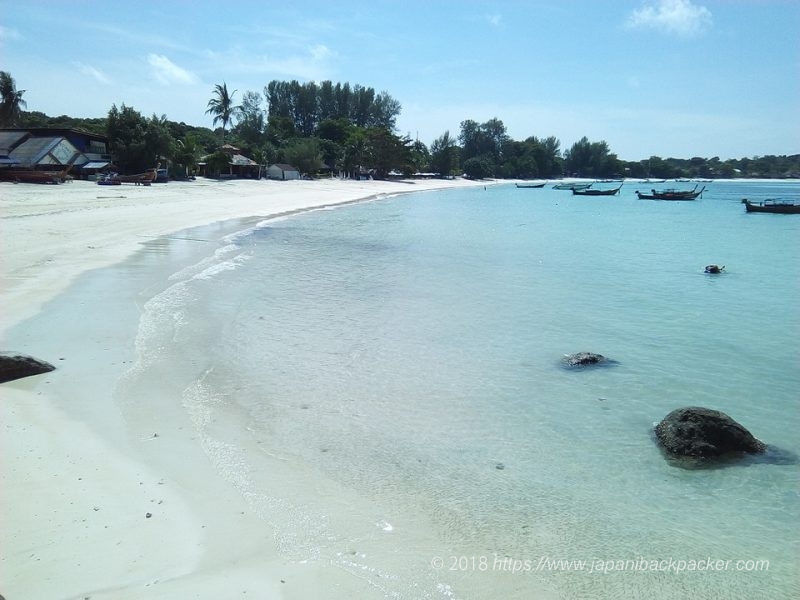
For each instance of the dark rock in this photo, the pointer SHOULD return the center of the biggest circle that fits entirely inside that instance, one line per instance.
(702, 433)
(16, 366)
(584, 359)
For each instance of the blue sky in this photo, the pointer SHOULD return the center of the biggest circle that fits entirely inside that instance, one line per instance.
(671, 78)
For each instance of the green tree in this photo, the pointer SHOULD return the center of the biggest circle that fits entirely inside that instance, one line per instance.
(280, 130)
(484, 141)
(251, 121)
(420, 157)
(444, 155)
(386, 152)
(11, 102)
(218, 162)
(479, 167)
(186, 154)
(591, 159)
(335, 130)
(126, 129)
(304, 153)
(159, 143)
(221, 106)
(520, 159)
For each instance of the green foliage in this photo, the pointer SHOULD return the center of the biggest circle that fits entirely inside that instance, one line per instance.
(479, 167)
(304, 153)
(218, 162)
(158, 140)
(484, 142)
(126, 129)
(249, 130)
(420, 158)
(39, 119)
(11, 102)
(221, 106)
(187, 152)
(591, 159)
(444, 155)
(386, 152)
(335, 130)
(307, 105)
(352, 130)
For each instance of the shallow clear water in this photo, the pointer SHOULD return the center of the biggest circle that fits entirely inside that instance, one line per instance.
(408, 350)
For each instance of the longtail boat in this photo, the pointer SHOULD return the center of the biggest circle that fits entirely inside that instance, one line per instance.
(595, 192)
(34, 176)
(531, 185)
(145, 178)
(671, 194)
(571, 186)
(777, 206)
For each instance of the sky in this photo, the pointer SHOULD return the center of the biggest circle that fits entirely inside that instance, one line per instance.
(668, 78)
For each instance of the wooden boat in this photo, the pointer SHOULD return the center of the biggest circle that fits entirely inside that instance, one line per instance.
(110, 179)
(784, 207)
(595, 192)
(145, 178)
(34, 176)
(671, 194)
(531, 185)
(572, 186)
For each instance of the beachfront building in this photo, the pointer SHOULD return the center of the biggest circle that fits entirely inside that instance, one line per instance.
(283, 172)
(240, 167)
(44, 149)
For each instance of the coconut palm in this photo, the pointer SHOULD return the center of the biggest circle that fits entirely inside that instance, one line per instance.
(221, 106)
(11, 102)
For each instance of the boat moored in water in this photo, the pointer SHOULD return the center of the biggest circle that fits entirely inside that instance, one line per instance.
(671, 194)
(596, 192)
(572, 186)
(532, 184)
(775, 206)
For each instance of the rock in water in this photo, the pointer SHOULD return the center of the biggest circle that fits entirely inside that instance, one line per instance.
(701, 433)
(16, 366)
(584, 359)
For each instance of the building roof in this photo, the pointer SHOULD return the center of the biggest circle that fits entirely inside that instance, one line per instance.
(96, 164)
(52, 131)
(242, 161)
(44, 150)
(285, 167)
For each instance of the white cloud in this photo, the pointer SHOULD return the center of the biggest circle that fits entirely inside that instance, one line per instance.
(167, 72)
(319, 52)
(91, 71)
(672, 16)
(310, 62)
(494, 19)
(7, 34)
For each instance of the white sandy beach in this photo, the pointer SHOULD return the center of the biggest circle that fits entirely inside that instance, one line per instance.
(90, 510)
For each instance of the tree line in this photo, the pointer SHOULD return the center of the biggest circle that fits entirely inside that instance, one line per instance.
(351, 129)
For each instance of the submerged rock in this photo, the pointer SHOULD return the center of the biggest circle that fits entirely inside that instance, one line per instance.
(16, 366)
(584, 359)
(702, 433)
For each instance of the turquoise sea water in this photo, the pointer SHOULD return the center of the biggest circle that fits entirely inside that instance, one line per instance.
(408, 350)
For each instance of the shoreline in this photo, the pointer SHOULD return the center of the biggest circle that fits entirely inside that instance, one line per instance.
(96, 505)
(52, 234)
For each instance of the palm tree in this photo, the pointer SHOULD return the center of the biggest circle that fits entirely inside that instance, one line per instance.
(11, 101)
(221, 106)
